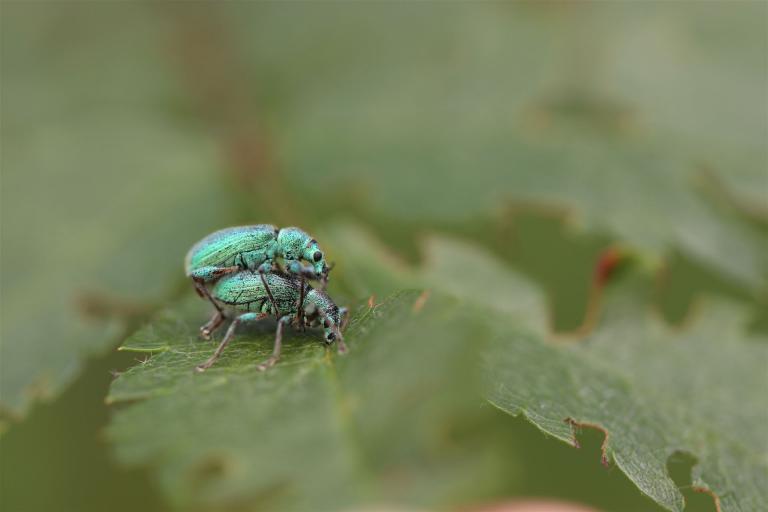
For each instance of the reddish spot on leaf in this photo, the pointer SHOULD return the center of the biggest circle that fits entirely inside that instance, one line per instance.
(607, 264)
(420, 301)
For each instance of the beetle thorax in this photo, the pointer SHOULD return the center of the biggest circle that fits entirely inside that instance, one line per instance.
(291, 243)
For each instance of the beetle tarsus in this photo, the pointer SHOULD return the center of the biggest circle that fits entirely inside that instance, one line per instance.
(275, 357)
(210, 326)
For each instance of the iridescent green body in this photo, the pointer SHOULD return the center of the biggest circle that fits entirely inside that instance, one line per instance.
(244, 246)
(255, 248)
(245, 292)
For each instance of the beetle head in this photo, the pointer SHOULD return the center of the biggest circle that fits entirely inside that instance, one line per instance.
(315, 256)
(320, 306)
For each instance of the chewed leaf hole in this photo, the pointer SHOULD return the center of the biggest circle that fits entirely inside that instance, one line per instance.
(679, 466)
(592, 438)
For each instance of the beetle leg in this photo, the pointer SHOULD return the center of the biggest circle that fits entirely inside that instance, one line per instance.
(342, 347)
(305, 271)
(266, 266)
(211, 273)
(299, 308)
(344, 313)
(269, 293)
(212, 324)
(202, 291)
(245, 317)
(269, 363)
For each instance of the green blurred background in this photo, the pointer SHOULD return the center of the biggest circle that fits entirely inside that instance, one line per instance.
(546, 132)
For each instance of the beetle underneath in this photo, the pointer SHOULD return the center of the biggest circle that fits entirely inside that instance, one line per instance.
(244, 297)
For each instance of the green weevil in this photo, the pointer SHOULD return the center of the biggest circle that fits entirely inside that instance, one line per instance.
(243, 297)
(255, 248)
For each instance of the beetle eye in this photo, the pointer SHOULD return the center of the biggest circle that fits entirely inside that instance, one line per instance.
(317, 256)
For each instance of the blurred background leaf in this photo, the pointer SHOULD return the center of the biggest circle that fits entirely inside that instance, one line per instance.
(614, 114)
(102, 186)
(654, 392)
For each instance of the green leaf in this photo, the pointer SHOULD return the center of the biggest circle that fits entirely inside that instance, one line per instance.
(318, 431)
(104, 188)
(614, 113)
(654, 391)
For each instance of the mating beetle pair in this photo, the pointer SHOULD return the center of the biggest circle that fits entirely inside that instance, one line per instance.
(237, 270)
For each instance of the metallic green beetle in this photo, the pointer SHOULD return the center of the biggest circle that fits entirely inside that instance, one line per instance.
(243, 297)
(254, 248)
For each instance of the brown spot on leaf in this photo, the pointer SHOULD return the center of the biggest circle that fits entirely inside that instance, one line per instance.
(214, 72)
(99, 306)
(212, 466)
(418, 305)
(607, 264)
